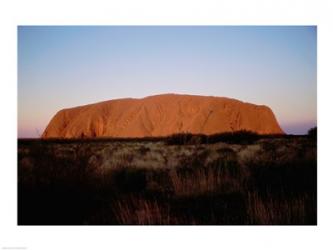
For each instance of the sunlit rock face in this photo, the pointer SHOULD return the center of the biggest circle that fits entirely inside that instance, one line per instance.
(162, 115)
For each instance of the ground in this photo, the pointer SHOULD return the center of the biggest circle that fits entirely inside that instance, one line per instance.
(264, 180)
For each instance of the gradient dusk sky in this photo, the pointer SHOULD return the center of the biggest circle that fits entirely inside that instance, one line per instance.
(66, 66)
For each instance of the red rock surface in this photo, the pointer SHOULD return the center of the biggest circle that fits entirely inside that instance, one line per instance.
(162, 115)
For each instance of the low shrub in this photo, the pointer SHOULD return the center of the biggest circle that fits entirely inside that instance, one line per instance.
(185, 139)
(237, 137)
(312, 133)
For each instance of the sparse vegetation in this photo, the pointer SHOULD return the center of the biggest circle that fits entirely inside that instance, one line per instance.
(240, 179)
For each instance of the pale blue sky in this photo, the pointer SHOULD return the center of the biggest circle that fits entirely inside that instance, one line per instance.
(66, 66)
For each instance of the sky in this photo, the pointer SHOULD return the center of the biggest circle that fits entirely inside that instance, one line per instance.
(67, 66)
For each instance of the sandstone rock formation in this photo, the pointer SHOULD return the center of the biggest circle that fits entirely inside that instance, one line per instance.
(161, 115)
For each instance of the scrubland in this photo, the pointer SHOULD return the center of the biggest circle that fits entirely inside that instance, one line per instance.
(237, 179)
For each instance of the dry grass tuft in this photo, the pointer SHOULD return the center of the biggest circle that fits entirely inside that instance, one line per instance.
(274, 212)
(139, 211)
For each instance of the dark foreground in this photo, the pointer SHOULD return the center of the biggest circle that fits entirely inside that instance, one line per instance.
(255, 181)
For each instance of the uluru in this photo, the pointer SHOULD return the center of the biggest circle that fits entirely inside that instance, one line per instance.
(162, 115)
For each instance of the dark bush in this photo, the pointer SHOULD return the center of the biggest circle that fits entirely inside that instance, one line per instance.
(237, 137)
(312, 133)
(185, 139)
(143, 150)
(287, 179)
(127, 179)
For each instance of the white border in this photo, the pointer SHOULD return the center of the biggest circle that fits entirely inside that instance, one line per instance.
(209, 12)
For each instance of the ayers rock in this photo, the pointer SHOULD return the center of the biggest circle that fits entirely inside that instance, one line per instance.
(162, 115)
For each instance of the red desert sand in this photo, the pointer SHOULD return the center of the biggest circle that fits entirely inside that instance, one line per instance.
(162, 115)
